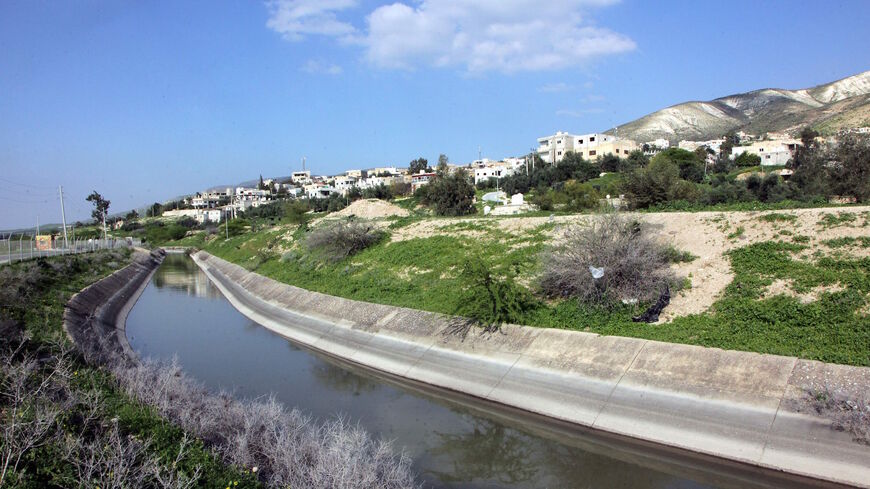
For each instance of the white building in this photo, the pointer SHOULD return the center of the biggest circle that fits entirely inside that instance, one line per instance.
(492, 170)
(772, 153)
(354, 173)
(343, 184)
(552, 149)
(384, 170)
(320, 191)
(713, 144)
(301, 177)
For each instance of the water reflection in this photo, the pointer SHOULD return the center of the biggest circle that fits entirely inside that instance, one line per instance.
(337, 378)
(489, 451)
(181, 274)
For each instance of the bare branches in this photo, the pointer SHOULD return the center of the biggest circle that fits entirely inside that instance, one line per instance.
(287, 447)
(629, 265)
(341, 239)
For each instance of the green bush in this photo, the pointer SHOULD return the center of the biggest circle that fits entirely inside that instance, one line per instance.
(449, 195)
(489, 300)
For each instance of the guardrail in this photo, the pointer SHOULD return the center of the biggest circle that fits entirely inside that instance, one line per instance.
(25, 247)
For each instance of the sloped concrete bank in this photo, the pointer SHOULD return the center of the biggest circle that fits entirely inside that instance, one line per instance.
(735, 405)
(95, 318)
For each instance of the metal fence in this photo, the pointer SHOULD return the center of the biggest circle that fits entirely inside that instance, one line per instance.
(25, 247)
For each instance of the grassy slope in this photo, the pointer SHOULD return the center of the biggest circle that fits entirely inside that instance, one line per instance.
(422, 273)
(41, 310)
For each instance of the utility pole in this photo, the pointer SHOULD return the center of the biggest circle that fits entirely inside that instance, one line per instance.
(63, 217)
(303, 163)
(227, 223)
(37, 225)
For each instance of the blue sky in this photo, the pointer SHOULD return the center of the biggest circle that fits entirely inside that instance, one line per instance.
(144, 101)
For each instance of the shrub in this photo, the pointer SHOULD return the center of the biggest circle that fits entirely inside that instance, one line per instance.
(747, 159)
(658, 183)
(635, 266)
(490, 300)
(341, 239)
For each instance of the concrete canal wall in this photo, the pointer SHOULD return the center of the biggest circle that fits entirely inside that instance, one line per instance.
(95, 318)
(736, 405)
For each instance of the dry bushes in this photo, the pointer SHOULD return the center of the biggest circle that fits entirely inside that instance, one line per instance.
(338, 240)
(635, 267)
(288, 448)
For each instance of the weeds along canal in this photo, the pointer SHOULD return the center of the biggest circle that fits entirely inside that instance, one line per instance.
(453, 441)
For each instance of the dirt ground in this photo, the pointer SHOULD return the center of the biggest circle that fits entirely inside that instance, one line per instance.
(370, 209)
(707, 235)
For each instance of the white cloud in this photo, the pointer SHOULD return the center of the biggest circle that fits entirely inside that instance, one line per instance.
(489, 35)
(555, 87)
(477, 36)
(294, 19)
(320, 67)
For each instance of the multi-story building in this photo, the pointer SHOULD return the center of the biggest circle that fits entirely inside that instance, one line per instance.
(343, 184)
(420, 179)
(354, 174)
(552, 149)
(301, 177)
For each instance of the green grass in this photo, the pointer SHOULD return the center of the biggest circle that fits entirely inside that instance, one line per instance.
(829, 220)
(861, 242)
(776, 217)
(424, 273)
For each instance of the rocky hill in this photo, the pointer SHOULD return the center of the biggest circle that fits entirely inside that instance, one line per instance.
(828, 108)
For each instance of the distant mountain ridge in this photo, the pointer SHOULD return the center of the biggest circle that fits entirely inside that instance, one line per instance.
(841, 104)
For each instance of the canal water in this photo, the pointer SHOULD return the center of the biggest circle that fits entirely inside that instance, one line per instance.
(453, 441)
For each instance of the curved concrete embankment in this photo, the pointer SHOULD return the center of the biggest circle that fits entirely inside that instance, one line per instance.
(736, 405)
(95, 318)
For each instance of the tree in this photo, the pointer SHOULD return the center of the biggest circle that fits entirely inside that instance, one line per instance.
(442, 163)
(609, 162)
(261, 185)
(132, 215)
(746, 158)
(154, 210)
(449, 195)
(101, 206)
(691, 166)
(851, 174)
(419, 165)
(658, 183)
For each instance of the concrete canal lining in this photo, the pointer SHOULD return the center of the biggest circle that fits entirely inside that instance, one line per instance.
(95, 318)
(735, 405)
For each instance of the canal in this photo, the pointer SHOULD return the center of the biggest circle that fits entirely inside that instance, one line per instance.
(453, 441)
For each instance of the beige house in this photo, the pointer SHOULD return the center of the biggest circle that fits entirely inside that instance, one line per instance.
(552, 149)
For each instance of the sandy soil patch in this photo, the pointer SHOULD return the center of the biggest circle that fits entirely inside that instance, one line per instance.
(370, 209)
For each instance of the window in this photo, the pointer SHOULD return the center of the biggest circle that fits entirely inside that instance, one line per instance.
(592, 139)
(592, 153)
(579, 141)
(560, 153)
(559, 142)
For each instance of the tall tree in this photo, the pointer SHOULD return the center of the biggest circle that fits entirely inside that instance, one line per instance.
(101, 206)
(442, 163)
(418, 165)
